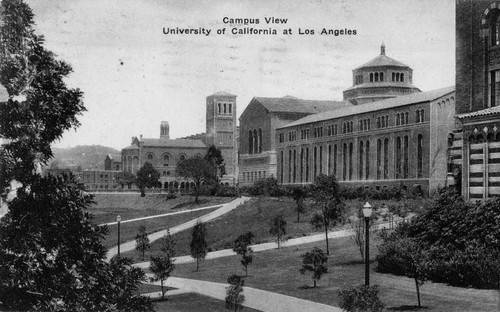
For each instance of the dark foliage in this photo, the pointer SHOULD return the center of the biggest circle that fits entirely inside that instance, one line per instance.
(314, 261)
(360, 298)
(147, 177)
(242, 248)
(462, 240)
(199, 243)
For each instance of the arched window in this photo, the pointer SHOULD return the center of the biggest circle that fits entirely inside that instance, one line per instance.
(381, 76)
(495, 27)
(367, 154)
(402, 77)
(406, 149)
(150, 157)
(397, 76)
(230, 108)
(182, 157)
(166, 160)
(393, 76)
(255, 142)
(376, 77)
(386, 158)
(220, 108)
(398, 158)
(371, 77)
(260, 140)
(420, 161)
(225, 108)
(361, 158)
(379, 159)
(250, 142)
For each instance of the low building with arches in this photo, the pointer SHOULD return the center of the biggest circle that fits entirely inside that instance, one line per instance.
(164, 154)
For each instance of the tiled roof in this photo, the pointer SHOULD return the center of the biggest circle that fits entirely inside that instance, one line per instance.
(382, 60)
(4, 95)
(418, 97)
(131, 147)
(381, 84)
(222, 93)
(484, 112)
(173, 143)
(289, 104)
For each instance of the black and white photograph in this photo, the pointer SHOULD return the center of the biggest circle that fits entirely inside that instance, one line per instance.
(250, 155)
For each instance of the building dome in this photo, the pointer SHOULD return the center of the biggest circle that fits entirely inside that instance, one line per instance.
(380, 78)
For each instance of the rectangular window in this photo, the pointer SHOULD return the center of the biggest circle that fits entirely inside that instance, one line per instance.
(335, 159)
(420, 162)
(386, 158)
(494, 88)
(379, 159)
(367, 153)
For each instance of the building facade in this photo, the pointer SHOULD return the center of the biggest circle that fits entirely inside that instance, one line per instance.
(393, 135)
(395, 142)
(258, 123)
(221, 130)
(476, 147)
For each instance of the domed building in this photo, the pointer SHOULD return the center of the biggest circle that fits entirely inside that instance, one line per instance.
(379, 79)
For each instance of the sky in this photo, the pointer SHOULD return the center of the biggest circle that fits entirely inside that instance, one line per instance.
(134, 76)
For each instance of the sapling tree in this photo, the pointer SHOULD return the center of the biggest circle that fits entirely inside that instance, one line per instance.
(142, 241)
(242, 248)
(326, 195)
(199, 244)
(315, 262)
(161, 266)
(278, 229)
(234, 296)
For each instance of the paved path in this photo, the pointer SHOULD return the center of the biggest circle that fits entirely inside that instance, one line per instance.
(130, 245)
(267, 246)
(162, 215)
(254, 298)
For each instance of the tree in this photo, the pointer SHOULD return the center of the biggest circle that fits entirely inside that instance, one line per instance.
(299, 195)
(196, 169)
(360, 298)
(358, 234)
(412, 258)
(234, 296)
(241, 247)
(168, 244)
(142, 241)
(198, 243)
(214, 156)
(161, 267)
(325, 192)
(125, 178)
(147, 176)
(51, 252)
(314, 261)
(278, 229)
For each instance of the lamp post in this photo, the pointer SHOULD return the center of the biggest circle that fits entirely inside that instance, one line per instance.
(367, 213)
(118, 219)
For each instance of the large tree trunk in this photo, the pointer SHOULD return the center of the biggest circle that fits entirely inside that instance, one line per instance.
(418, 292)
(326, 238)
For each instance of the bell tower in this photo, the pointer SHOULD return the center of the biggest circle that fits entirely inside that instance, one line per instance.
(164, 130)
(221, 127)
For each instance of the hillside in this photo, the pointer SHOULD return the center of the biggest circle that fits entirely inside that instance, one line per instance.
(86, 156)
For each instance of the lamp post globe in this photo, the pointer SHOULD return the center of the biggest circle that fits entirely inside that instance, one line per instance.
(118, 220)
(367, 213)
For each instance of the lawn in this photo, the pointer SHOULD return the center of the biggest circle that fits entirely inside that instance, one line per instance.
(193, 302)
(278, 271)
(128, 231)
(131, 206)
(254, 216)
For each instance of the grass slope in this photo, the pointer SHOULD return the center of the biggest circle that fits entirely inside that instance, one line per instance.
(278, 271)
(193, 302)
(255, 216)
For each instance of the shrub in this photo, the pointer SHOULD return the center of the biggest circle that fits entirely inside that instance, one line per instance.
(360, 298)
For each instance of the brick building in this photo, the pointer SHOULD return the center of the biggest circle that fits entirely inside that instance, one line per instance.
(400, 140)
(258, 123)
(476, 147)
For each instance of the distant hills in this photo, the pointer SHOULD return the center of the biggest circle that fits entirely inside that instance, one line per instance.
(83, 156)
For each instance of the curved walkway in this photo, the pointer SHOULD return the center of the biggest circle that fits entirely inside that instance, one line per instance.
(267, 246)
(254, 298)
(130, 245)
